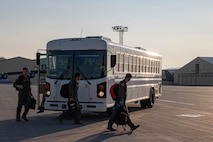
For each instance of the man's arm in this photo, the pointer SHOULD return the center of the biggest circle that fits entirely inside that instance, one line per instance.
(17, 84)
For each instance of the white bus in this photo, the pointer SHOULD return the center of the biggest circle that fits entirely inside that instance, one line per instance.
(101, 63)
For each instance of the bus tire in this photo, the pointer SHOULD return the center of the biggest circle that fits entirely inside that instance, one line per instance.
(151, 99)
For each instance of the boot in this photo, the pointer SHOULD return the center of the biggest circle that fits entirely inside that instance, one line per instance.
(41, 109)
(134, 127)
(111, 129)
(24, 115)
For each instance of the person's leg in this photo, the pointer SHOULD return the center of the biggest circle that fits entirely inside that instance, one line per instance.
(63, 115)
(77, 115)
(18, 112)
(19, 108)
(26, 109)
(129, 122)
(112, 120)
(41, 107)
(131, 125)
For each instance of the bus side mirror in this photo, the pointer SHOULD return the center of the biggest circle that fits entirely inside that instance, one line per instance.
(38, 58)
(113, 60)
(31, 74)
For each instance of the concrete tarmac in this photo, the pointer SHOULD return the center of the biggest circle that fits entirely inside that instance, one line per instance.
(182, 114)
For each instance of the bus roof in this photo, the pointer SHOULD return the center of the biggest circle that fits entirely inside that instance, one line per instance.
(90, 43)
(77, 44)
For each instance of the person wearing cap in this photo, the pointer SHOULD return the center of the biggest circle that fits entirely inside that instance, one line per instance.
(23, 86)
(122, 92)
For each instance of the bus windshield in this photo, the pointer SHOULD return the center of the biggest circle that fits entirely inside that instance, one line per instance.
(91, 64)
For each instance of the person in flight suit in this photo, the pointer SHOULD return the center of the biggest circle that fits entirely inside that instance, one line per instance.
(73, 97)
(22, 85)
(121, 103)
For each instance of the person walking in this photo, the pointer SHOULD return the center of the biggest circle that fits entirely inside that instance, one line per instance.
(73, 98)
(121, 104)
(41, 107)
(23, 86)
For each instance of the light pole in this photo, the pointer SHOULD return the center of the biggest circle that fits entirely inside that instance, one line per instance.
(121, 30)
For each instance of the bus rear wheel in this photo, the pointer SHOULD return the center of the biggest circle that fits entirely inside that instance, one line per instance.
(148, 102)
(143, 103)
(151, 99)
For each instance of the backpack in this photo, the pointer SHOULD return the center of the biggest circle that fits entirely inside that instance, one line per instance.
(64, 92)
(114, 91)
(122, 117)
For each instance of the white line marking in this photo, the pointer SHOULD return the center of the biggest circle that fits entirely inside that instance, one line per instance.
(168, 101)
(190, 115)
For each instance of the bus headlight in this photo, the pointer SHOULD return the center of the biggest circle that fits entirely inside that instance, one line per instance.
(47, 94)
(101, 94)
(101, 90)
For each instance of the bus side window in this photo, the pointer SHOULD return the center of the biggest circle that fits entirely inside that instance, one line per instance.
(113, 60)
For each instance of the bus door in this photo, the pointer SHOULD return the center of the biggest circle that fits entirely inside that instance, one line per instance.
(41, 60)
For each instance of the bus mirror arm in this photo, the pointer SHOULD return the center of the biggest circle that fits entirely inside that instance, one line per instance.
(83, 75)
(38, 58)
(88, 82)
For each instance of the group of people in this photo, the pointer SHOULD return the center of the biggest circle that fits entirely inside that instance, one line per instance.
(23, 86)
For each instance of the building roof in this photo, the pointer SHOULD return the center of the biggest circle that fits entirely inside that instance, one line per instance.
(205, 65)
(207, 59)
(16, 64)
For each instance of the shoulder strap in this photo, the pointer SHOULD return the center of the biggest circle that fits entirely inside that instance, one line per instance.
(20, 79)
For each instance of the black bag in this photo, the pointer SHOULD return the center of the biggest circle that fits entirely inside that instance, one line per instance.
(121, 117)
(72, 105)
(65, 90)
(33, 103)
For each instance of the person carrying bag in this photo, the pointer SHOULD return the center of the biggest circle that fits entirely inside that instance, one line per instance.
(73, 102)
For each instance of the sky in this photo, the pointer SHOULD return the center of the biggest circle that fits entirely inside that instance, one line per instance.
(179, 30)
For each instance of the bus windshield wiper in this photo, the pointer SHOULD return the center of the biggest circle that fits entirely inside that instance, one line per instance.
(83, 75)
(63, 73)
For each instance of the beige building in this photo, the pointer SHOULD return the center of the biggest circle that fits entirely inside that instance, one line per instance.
(197, 72)
(13, 67)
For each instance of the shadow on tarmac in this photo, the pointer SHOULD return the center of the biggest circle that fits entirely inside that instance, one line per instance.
(103, 136)
(41, 125)
(48, 124)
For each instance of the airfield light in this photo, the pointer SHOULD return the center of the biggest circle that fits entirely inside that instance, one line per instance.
(121, 30)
